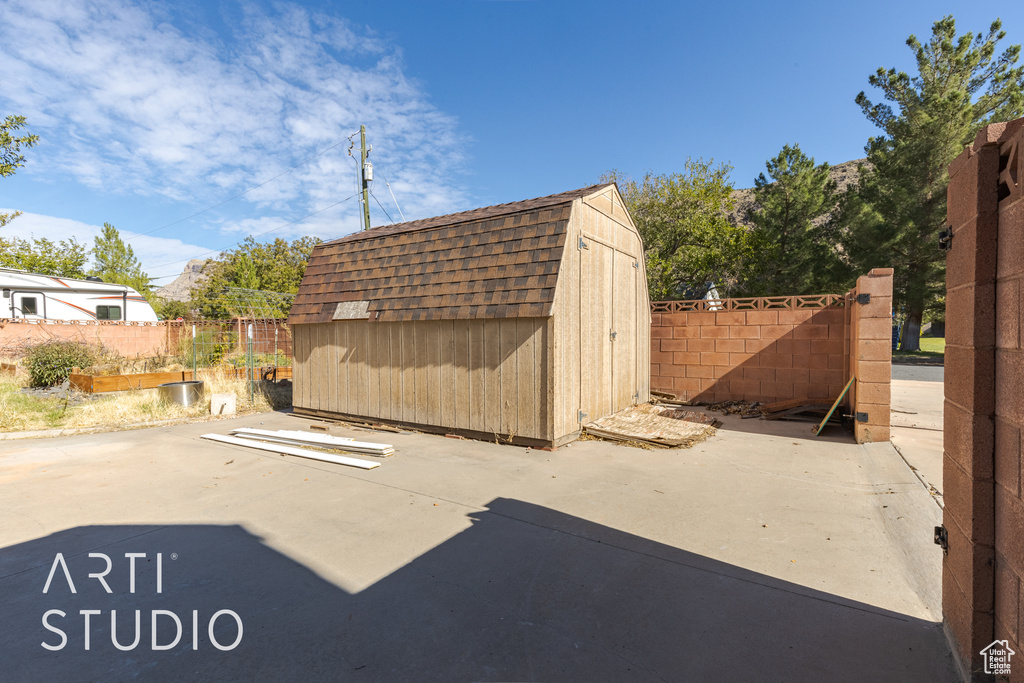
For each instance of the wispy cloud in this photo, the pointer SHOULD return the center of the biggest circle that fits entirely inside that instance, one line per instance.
(128, 103)
(149, 249)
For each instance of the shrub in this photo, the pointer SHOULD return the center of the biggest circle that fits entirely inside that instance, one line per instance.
(50, 364)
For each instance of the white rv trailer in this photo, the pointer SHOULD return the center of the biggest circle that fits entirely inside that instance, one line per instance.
(30, 296)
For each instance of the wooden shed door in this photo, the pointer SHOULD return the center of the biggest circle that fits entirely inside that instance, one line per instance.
(624, 315)
(608, 330)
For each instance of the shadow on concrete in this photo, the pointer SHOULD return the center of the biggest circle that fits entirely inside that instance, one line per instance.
(526, 593)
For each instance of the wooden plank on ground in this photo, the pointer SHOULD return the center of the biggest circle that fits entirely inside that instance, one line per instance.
(786, 405)
(289, 450)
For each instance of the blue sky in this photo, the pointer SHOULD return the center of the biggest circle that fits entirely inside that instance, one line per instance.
(151, 112)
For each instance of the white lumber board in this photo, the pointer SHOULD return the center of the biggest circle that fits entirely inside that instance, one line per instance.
(317, 439)
(295, 442)
(289, 450)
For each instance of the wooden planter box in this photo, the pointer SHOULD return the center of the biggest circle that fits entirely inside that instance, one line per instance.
(94, 384)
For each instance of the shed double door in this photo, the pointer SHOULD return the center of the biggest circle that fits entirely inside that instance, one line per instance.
(608, 330)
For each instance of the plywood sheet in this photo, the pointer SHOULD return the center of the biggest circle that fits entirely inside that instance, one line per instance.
(665, 426)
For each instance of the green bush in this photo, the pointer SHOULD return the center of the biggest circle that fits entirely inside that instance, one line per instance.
(50, 364)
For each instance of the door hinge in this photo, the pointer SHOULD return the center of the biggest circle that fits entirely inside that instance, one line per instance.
(582, 245)
(946, 239)
(612, 334)
(580, 416)
(636, 264)
(942, 539)
(863, 298)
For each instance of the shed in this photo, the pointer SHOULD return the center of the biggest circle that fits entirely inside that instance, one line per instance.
(521, 321)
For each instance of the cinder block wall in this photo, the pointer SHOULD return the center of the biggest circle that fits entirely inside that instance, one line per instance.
(779, 354)
(757, 355)
(983, 572)
(126, 339)
(870, 354)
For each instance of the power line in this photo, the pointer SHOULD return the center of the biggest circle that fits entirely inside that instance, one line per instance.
(382, 207)
(259, 234)
(231, 199)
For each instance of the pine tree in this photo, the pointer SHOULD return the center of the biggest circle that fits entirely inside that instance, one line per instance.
(114, 261)
(792, 248)
(892, 219)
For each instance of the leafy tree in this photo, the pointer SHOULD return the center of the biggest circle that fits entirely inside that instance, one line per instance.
(893, 216)
(266, 267)
(170, 309)
(115, 261)
(689, 242)
(64, 259)
(792, 250)
(10, 153)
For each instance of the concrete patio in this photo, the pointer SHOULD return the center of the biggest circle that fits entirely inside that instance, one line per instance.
(762, 553)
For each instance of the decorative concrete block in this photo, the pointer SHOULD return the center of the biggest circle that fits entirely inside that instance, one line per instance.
(223, 404)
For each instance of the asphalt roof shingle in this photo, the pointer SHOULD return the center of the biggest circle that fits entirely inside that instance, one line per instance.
(499, 261)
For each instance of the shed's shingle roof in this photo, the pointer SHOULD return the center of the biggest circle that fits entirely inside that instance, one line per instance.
(496, 262)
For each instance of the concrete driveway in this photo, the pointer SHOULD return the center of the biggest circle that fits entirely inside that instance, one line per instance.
(916, 421)
(763, 553)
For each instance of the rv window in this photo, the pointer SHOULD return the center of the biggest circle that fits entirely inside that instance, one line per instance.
(28, 305)
(108, 312)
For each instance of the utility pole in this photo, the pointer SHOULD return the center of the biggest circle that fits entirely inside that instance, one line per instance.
(366, 175)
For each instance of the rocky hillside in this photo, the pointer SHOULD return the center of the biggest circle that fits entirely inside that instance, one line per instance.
(845, 174)
(179, 289)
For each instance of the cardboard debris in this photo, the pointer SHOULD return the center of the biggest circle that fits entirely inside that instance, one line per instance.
(657, 425)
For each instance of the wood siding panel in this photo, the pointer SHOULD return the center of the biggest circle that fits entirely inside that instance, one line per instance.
(447, 372)
(477, 375)
(492, 377)
(397, 373)
(508, 377)
(372, 370)
(332, 367)
(408, 373)
(624, 359)
(421, 361)
(432, 334)
(596, 358)
(463, 387)
(530, 401)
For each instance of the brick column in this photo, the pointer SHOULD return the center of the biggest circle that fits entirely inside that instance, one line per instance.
(968, 430)
(1008, 472)
(871, 354)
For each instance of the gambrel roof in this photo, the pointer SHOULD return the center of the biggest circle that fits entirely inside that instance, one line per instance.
(495, 262)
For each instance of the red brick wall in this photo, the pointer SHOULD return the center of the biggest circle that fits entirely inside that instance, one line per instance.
(983, 572)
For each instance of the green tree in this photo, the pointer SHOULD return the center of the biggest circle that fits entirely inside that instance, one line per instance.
(63, 259)
(10, 153)
(170, 309)
(114, 261)
(792, 248)
(689, 242)
(265, 267)
(893, 216)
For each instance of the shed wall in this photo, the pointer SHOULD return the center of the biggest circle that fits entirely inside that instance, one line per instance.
(483, 375)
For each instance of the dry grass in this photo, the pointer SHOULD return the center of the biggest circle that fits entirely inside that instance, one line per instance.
(20, 412)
